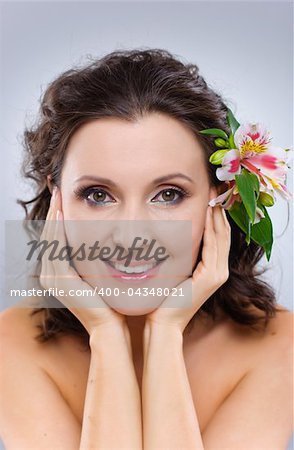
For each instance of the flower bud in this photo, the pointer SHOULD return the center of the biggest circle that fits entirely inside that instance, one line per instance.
(266, 199)
(219, 142)
(217, 157)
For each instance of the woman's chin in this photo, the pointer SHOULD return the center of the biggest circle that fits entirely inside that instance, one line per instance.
(132, 307)
(134, 312)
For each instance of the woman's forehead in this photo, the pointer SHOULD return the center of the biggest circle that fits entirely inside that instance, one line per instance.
(152, 140)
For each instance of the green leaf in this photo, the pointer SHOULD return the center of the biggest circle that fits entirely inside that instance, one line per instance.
(231, 141)
(217, 157)
(262, 232)
(215, 132)
(232, 121)
(239, 215)
(248, 187)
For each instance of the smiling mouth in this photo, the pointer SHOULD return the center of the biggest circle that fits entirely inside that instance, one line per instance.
(134, 269)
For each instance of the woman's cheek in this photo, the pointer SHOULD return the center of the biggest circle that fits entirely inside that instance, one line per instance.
(70, 212)
(72, 206)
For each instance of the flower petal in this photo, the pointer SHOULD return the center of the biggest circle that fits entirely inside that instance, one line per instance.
(231, 166)
(255, 132)
(268, 189)
(271, 163)
(283, 192)
(231, 200)
(240, 134)
(258, 215)
(221, 198)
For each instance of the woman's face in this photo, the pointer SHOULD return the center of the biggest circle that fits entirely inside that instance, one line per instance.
(120, 179)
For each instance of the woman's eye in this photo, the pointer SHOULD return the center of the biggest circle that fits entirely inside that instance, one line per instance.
(97, 196)
(170, 195)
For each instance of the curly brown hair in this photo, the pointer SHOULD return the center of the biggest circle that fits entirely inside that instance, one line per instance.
(127, 85)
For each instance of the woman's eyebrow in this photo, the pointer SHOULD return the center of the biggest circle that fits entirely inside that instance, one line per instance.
(112, 183)
(98, 179)
(172, 175)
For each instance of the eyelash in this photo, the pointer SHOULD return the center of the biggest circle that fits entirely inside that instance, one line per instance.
(84, 192)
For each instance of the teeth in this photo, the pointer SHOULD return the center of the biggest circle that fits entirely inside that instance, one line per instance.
(138, 269)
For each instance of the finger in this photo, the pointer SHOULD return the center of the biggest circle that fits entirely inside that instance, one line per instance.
(223, 237)
(67, 275)
(209, 251)
(219, 219)
(47, 235)
(50, 232)
(61, 266)
(48, 217)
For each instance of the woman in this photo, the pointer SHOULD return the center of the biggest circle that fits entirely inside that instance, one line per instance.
(215, 374)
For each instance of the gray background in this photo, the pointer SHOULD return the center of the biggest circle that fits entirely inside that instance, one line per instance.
(243, 49)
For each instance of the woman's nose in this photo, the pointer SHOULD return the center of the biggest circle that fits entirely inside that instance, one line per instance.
(126, 232)
(132, 210)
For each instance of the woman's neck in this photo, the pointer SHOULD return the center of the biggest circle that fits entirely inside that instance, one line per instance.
(136, 326)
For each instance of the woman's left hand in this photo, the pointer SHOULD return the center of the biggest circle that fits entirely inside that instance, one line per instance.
(210, 273)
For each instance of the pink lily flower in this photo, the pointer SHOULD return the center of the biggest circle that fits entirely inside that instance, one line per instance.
(228, 198)
(253, 151)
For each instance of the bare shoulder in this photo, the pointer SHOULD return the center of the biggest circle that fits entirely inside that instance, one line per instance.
(19, 350)
(258, 411)
(19, 328)
(278, 346)
(26, 387)
(278, 334)
(282, 323)
(17, 324)
(271, 344)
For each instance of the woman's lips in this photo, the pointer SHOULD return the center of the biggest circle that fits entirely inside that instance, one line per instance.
(133, 277)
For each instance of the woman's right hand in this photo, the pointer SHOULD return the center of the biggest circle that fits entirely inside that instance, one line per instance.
(60, 275)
